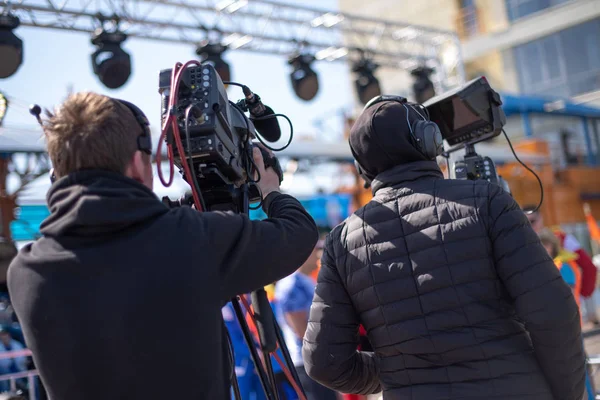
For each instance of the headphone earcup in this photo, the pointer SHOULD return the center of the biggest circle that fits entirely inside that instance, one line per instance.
(429, 138)
(362, 174)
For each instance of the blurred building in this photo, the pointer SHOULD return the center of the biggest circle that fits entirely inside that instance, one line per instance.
(536, 47)
(542, 55)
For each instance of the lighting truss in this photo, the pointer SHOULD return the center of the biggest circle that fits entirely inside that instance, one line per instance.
(263, 26)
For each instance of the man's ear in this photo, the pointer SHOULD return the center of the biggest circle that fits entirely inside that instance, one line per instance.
(135, 169)
(363, 175)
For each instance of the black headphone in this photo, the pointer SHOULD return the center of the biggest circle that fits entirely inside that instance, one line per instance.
(144, 141)
(426, 135)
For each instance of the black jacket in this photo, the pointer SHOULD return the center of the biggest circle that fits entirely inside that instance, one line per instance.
(122, 297)
(459, 298)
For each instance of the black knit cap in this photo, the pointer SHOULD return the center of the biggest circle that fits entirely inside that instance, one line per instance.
(380, 138)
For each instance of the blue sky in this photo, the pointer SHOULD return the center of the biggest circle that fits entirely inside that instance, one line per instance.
(56, 60)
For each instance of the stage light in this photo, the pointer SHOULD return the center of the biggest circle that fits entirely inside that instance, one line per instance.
(110, 62)
(367, 85)
(11, 47)
(423, 88)
(305, 81)
(212, 53)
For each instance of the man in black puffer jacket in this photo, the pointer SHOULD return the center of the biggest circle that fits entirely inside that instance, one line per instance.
(459, 298)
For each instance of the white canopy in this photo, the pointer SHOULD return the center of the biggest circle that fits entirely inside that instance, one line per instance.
(341, 151)
(20, 140)
(35, 191)
(16, 140)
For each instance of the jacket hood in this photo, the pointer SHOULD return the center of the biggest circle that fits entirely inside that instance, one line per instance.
(405, 173)
(381, 138)
(95, 204)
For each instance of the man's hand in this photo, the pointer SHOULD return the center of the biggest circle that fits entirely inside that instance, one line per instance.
(269, 181)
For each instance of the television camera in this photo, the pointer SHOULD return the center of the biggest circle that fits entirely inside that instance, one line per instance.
(209, 139)
(467, 115)
(213, 137)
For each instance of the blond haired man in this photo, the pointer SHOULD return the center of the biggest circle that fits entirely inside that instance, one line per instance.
(113, 261)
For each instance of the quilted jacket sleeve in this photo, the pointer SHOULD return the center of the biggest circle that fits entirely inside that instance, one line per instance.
(331, 340)
(543, 301)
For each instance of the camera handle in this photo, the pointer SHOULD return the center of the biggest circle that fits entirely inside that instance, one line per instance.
(265, 323)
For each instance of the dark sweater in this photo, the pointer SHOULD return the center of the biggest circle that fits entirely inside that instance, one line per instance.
(122, 297)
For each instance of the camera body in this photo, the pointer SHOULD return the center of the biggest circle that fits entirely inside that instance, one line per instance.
(216, 136)
(476, 167)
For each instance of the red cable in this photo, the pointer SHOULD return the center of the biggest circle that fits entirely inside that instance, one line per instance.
(284, 368)
(163, 133)
(171, 120)
(289, 376)
(159, 155)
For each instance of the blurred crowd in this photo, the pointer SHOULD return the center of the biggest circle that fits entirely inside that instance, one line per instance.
(11, 340)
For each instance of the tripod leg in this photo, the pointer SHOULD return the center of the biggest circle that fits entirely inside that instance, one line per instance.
(234, 381)
(236, 388)
(286, 355)
(264, 379)
(269, 368)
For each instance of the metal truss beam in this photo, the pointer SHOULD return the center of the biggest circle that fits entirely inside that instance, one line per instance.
(263, 26)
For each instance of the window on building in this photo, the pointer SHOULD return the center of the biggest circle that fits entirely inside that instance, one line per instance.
(469, 17)
(565, 137)
(522, 8)
(564, 64)
(581, 52)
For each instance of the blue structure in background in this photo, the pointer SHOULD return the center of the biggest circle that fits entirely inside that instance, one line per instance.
(327, 211)
(28, 220)
(518, 104)
(527, 105)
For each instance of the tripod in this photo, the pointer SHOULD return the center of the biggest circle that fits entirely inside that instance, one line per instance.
(269, 332)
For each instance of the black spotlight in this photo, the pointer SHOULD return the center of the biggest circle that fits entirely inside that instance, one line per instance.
(367, 86)
(110, 62)
(211, 53)
(11, 47)
(304, 80)
(423, 87)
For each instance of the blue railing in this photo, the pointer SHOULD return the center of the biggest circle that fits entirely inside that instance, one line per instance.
(327, 211)
(28, 220)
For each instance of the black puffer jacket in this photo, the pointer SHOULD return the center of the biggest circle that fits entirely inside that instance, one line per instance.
(459, 298)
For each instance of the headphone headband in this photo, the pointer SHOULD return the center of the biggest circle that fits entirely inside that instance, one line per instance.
(425, 134)
(144, 141)
(385, 97)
